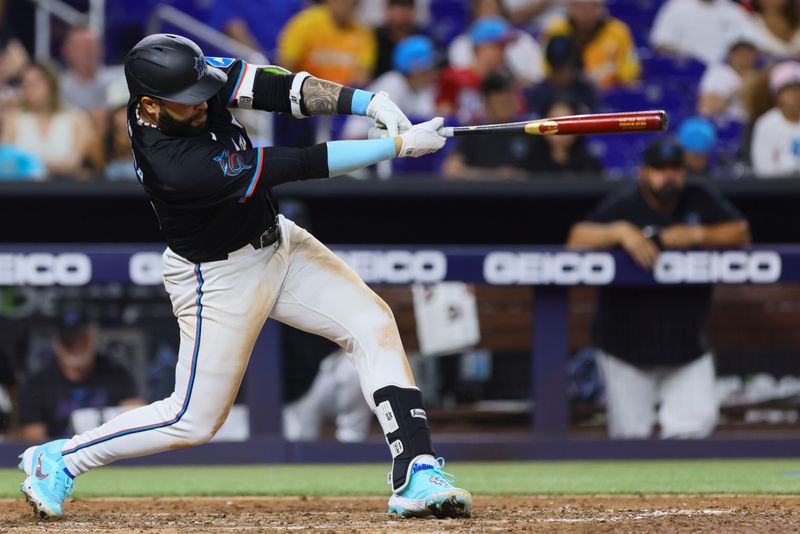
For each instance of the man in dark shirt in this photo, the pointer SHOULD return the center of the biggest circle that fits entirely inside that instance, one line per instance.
(7, 381)
(400, 23)
(488, 157)
(652, 348)
(565, 81)
(78, 377)
(232, 261)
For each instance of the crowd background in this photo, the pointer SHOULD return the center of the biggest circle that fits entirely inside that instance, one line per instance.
(725, 72)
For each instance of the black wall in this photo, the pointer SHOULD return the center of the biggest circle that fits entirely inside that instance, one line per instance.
(402, 210)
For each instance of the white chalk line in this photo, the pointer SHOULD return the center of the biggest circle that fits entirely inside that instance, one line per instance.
(637, 517)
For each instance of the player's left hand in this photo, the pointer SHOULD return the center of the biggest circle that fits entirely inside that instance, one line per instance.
(388, 115)
(681, 236)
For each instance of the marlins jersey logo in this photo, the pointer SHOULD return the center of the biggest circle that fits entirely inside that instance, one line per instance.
(232, 163)
(199, 66)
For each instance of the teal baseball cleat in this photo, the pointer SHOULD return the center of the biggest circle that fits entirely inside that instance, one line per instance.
(48, 481)
(430, 491)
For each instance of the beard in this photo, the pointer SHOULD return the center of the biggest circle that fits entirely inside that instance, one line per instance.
(182, 128)
(667, 195)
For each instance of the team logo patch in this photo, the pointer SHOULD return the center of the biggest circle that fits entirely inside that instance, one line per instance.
(232, 163)
(199, 66)
(220, 62)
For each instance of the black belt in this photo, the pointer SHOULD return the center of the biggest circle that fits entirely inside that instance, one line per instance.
(270, 236)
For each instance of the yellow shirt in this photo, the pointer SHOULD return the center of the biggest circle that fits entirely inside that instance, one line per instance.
(311, 41)
(610, 58)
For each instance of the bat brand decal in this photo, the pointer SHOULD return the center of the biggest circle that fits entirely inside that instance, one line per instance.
(232, 163)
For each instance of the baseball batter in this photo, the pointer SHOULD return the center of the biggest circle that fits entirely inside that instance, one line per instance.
(232, 261)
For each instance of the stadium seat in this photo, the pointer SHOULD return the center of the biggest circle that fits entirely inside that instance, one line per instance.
(449, 18)
(620, 154)
(659, 67)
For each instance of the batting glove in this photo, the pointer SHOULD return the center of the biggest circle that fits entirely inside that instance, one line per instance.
(388, 115)
(421, 139)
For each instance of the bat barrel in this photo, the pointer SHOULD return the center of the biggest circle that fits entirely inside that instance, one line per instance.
(639, 121)
(598, 123)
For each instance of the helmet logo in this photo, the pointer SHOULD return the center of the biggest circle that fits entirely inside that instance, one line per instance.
(232, 163)
(200, 66)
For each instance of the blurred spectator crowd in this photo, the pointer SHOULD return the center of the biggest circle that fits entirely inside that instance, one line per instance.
(725, 71)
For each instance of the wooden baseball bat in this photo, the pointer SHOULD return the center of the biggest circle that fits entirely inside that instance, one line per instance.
(598, 123)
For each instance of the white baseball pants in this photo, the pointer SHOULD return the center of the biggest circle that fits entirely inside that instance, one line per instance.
(221, 307)
(682, 399)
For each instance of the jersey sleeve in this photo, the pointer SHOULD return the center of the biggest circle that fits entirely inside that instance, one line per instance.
(611, 209)
(205, 174)
(262, 87)
(716, 208)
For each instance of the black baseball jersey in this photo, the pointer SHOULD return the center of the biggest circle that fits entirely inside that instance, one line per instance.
(654, 326)
(211, 192)
(50, 398)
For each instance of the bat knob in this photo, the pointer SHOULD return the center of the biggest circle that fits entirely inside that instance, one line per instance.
(664, 119)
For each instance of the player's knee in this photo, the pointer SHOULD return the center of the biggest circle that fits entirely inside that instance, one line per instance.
(200, 434)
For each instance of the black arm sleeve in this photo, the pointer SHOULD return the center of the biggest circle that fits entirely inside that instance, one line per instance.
(285, 164)
(271, 91)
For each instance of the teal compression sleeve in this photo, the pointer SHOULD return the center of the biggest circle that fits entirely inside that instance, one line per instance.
(348, 156)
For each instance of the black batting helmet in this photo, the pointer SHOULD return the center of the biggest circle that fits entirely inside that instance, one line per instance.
(171, 67)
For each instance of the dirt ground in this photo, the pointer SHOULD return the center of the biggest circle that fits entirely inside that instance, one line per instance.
(491, 514)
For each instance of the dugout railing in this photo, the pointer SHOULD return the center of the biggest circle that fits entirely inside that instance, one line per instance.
(551, 270)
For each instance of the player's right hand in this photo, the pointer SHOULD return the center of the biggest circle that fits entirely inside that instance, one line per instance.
(643, 251)
(421, 139)
(388, 115)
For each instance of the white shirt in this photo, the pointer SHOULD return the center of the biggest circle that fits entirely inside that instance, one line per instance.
(703, 30)
(523, 56)
(775, 149)
(373, 13)
(771, 43)
(56, 144)
(721, 80)
(420, 104)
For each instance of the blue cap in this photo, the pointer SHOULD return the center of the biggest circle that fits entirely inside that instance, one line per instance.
(73, 319)
(491, 30)
(414, 54)
(698, 135)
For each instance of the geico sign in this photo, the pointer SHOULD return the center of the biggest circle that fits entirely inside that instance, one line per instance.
(560, 268)
(397, 266)
(731, 266)
(45, 269)
(144, 268)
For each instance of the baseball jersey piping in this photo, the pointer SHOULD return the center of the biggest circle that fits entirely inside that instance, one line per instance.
(256, 176)
(238, 83)
(198, 331)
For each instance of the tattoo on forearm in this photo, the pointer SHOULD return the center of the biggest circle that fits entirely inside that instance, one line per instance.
(321, 96)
